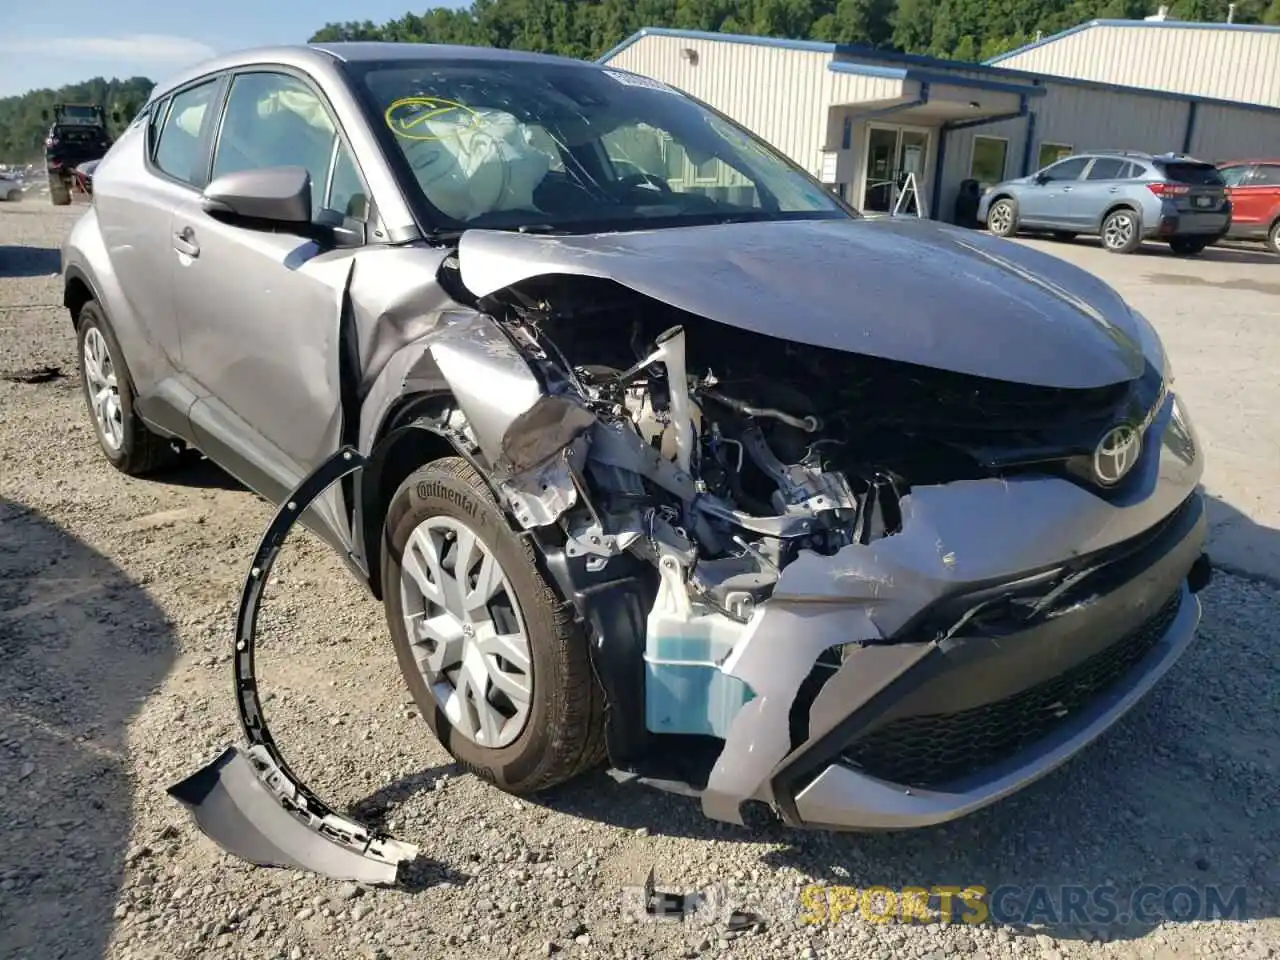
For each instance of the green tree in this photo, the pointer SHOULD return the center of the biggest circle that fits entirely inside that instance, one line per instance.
(23, 125)
(963, 29)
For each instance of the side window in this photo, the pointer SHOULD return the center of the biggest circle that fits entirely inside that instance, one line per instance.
(1234, 176)
(1067, 169)
(1265, 175)
(275, 120)
(177, 151)
(1107, 168)
(347, 194)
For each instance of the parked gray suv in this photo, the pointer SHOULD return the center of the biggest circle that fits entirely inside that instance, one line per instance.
(1122, 196)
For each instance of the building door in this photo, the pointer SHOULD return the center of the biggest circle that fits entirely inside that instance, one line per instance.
(893, 152)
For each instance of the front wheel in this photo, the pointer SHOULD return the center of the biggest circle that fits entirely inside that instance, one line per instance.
(1187, 246)
(1273, 238)
(1002, 218)
(494, 659)
(1121, 232)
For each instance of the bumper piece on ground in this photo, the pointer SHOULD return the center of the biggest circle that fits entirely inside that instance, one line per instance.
(249, 802)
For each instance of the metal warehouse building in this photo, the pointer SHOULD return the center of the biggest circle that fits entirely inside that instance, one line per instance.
(862, 119)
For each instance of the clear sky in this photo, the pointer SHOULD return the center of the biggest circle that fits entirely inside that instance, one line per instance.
(47, 43)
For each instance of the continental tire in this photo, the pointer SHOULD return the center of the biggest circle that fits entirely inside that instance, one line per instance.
(429, 523)
(125, 440)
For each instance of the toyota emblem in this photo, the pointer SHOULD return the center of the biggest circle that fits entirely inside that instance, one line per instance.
(1116, 453)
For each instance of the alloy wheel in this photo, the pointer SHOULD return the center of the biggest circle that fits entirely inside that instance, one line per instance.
(104, 390)
(1001, 217)
(1118, 231)
(467, 631)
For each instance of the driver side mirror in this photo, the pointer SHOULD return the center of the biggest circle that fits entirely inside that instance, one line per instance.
(267, 196)
(1042, 178)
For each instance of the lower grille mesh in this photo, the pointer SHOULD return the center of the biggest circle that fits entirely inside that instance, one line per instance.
(934, 749)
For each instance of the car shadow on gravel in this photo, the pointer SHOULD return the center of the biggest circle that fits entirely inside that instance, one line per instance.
(83, 647)
(21, 262)
(193, 470)
(1218, 253)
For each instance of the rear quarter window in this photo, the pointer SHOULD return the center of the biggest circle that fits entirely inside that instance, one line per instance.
(1195, 174)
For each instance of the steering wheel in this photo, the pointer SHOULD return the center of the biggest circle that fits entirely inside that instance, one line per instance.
(634, 180)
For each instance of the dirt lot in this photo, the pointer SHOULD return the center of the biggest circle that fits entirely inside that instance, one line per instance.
(116, 599)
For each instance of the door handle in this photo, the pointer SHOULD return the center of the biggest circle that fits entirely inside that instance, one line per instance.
(184, 241)
(1113, 190)
(1066, 189)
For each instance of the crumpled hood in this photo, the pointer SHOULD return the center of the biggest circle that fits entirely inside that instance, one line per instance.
(914, 291)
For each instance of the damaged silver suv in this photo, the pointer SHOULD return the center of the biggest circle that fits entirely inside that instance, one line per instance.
(669, 457)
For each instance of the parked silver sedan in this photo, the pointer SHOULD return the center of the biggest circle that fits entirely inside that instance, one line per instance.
(674, 460)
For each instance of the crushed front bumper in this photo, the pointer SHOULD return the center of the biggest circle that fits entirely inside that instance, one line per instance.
(923, 676)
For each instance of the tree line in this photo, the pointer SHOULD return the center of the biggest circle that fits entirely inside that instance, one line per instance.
(23, 127)
(959, 29)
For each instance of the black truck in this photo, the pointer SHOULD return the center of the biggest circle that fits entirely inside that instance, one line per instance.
(78, 134)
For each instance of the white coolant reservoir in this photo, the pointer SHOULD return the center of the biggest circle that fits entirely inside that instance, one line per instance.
(685, 642)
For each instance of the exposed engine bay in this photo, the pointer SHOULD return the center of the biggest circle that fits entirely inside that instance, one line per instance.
(717, 456)
(729, 451)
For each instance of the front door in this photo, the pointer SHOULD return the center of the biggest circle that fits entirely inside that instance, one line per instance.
(1045, 200)
(259, 310)
(893, 152)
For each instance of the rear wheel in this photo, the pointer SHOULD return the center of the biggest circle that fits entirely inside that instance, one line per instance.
(1187, 246)
(108, 395)
(1273, 238)
(1002, 218)
(1121, 232)
(59, 191)
(496, 663)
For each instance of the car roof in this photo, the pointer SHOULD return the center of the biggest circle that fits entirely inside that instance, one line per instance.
(314, 55)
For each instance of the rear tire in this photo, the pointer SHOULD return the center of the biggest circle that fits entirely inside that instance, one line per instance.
(1273, 238)
(59, 192)
(1121, 232)
(560, 734)
(1187, 246)
(125, 440)
(1002, 218)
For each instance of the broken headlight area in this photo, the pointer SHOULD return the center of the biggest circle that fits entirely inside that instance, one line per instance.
(694, 462)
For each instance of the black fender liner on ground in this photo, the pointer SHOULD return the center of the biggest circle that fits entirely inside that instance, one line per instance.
(247, 800)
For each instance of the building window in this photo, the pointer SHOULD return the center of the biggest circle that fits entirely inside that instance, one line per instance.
(1052, 153)
(987, 163)
(846, 134)
(707, 171)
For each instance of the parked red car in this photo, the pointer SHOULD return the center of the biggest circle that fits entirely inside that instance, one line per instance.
(1254, 189)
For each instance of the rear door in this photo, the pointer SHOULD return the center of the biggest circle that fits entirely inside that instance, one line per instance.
(1090, 198)
(134, 202)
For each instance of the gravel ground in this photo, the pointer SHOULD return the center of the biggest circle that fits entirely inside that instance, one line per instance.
(116, 598)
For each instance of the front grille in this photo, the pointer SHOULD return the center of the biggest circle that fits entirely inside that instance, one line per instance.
(930, 750)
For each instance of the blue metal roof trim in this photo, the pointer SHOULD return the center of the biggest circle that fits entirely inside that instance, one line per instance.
(1145, 24)
(892, 56)
(906, 73)
(869, 70)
